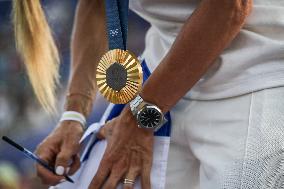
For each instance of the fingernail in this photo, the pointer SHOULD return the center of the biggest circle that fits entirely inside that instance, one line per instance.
(62, 180)
(59, 170)
(67, 170)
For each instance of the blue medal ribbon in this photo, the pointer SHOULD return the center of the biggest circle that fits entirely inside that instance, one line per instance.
(117, 23)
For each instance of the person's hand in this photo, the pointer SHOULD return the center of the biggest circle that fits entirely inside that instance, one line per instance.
(128, 153)
(60, 149)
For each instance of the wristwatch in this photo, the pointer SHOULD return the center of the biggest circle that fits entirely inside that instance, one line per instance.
(149, 116)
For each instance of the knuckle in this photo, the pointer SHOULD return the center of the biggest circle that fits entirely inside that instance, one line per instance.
(76, 163)
(99, 176)
(136, 170)
(119, 171)
(111, 184)
(116, 177)
(62, 158)
(77, 167)
(39, 148)
(74, 144)
(107, 160)
(71, 143)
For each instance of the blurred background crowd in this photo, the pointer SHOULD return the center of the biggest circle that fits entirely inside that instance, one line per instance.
(21, 117)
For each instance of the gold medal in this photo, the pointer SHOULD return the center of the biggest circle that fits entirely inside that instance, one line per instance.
(119, 76)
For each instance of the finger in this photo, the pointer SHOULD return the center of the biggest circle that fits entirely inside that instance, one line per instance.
(106, 130)
(101, 175)
(48, 177)
(63, 160)
(133, 170)
(129, 181)
(76, 163)
(102, 133)
(118, 170)
(146, 173)
(68, 149)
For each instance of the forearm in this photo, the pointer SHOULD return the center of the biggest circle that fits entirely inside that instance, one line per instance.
(88, 45)
(204, 36)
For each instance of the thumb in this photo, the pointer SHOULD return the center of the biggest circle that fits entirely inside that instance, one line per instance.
(63, 159)
(102, 133)
(106, 130)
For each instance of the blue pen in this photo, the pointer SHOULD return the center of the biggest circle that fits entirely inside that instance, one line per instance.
(33, 157)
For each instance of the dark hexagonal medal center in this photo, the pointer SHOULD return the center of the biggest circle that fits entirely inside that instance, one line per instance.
(116, 76)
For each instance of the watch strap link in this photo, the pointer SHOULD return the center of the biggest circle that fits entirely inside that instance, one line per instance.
(135, 103)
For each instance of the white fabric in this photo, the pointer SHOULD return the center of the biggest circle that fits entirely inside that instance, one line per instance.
(84, 176)
(234, 143)
(253, 61)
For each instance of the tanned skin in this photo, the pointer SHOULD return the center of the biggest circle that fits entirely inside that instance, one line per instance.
(206, 33)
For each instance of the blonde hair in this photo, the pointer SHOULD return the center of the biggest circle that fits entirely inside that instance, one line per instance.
(36, 46)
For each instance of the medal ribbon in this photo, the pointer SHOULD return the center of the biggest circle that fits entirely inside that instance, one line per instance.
(117, 23)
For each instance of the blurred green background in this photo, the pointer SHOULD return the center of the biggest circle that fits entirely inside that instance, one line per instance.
(21, 117)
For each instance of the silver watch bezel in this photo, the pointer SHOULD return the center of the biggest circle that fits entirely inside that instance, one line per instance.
(150, 106)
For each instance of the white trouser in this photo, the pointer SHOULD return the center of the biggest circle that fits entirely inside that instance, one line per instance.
(234, 143)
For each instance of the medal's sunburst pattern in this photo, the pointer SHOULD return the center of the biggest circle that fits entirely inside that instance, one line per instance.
(134, 76)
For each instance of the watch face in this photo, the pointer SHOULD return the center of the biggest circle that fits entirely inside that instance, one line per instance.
(150, 117)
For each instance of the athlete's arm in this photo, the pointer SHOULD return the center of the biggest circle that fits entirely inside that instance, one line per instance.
(204, 36)
(210, 29)
(88, 44)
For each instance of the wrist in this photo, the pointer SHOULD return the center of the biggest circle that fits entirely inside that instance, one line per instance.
(79, 103)
(128, 115)
(148, 115)
(151, 99)
(131, 121)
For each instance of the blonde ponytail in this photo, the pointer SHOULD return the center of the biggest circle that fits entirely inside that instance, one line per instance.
(36, 46)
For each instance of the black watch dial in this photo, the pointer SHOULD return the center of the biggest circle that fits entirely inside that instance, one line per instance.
(150, 118)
